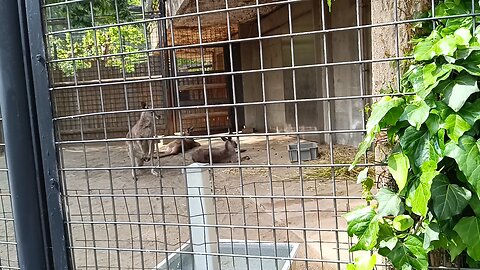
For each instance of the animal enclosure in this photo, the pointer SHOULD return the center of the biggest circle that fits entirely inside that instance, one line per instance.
(269, 74)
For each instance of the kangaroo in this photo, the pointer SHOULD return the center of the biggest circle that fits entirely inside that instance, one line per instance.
(226, 155)
(141, 150)
(175, 147)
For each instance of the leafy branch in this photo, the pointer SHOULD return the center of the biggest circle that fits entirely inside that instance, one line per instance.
(435, 163)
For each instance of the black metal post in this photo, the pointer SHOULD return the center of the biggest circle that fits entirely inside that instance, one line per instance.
(23, 150)
(42, 109)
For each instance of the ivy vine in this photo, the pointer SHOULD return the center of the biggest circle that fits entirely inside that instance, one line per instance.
(435, 160)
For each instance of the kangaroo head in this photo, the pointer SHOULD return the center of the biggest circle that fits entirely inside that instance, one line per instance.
(148, 115)
(229, 143)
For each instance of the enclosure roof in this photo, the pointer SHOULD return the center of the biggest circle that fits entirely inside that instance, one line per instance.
(239, 16)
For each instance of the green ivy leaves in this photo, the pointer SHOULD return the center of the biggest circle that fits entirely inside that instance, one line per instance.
(363, 263)
(364, 224)
(379, 111)
(448, 199)
(462, 36)
(459, 90)
(389, 203)
(468, 228)
(441, 44)
(456, 126)
(467, 155)
(416, 113)
(410, 252)
(398, 166)
(420, 193)
(435, 158)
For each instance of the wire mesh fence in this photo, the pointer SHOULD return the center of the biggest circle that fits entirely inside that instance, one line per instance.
(8, 244)
(287, 80)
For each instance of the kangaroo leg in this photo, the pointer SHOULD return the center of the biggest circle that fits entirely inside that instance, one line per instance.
(152, 147)
(133, 159)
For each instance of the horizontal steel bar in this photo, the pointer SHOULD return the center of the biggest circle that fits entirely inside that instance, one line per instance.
(211, 254)
(218, 196)
(225, 166)
(214, 136)
(225, 226)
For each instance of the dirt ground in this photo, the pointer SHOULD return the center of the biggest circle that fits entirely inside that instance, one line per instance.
(118, 223)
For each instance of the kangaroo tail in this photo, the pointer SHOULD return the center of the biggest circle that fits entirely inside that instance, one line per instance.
(164, 154)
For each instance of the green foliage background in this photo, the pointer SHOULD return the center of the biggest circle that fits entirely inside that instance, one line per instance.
(433, 124)
(99, 42)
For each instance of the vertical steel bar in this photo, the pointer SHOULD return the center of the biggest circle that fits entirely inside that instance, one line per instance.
(23, 149)
(58, 241)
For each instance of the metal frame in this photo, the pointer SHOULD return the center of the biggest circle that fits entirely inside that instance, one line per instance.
(28, 154)
(91, 215)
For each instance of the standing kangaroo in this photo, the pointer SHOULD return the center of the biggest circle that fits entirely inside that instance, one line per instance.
(141, 150)
(175, 147)
(225, 155)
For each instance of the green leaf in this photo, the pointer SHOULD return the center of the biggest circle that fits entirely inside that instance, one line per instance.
(364, 145)
(471, 63)
(448, 199)
(389, 243)
(457, 93)
(432, 233)
(398, 165)
(446, 46)
(433, 123)
(410, 138)
(409, 254)
(358, 220)
(425, 50)
(475, 204)
(402, 223)
(414, 76)
(416, 113)
(415, 247)
(468, 228)
(368, 239)
(473, 264)
(389, 203)
(433, 75)
(363, 263)
(379, 110)
(463, 36)
(391, 118)
(467, 156)
(362, 176)
(456, 126)
(419, 194)
(422, 146)
(455, 245)
(471, 112)
(386, 232)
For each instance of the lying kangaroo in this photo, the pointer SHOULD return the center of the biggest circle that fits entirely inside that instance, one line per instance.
(225, 155)
(175, 147)
(141, 150)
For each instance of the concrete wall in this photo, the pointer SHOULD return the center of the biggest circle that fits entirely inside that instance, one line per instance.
(347, 79)
(307, 83)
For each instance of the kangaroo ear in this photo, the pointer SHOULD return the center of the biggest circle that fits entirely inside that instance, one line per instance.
(144, 105)
(224, 139)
